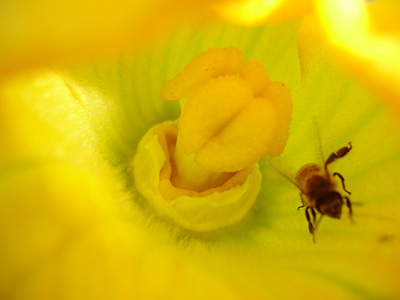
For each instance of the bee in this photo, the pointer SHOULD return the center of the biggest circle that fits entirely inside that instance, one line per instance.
(318, 191)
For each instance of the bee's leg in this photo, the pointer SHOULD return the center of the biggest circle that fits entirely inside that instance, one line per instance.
(317, 223)
(310, 224)
(338, 154)
(302, 201)
(348, 203)
(314, 216)
(342, 179)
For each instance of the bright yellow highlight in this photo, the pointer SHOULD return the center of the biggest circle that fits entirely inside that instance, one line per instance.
(230, 122)
(368, 40)
(256, 12)
(210, 208)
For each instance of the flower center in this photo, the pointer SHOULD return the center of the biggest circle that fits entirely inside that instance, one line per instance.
(201, 171)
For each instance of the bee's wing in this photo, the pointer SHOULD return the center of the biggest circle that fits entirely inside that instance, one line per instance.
(279, 169)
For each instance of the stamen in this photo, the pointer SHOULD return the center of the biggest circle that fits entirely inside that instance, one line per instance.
(201, 171)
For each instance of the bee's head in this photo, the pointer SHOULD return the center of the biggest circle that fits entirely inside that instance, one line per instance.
(330, 204)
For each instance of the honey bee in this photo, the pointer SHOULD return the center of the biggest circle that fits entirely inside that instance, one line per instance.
(318, 191)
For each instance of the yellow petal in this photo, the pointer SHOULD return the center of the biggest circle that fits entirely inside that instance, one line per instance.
(45, 31)
(64, 228)
(42, 117)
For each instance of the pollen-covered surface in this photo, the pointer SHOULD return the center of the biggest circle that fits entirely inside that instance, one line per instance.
(255, 75)
(207, 210)
(210, 109)
(242, 141)
(279, 94)
(230, 122)
(211, 63)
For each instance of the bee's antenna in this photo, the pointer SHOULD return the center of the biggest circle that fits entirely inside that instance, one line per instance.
(286, 176)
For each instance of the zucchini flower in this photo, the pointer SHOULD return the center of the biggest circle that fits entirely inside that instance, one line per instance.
(147, 155)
